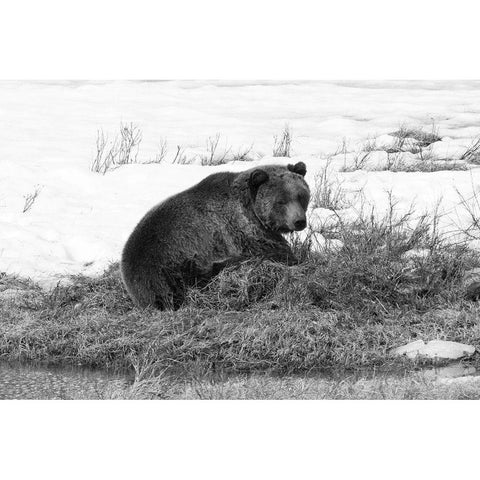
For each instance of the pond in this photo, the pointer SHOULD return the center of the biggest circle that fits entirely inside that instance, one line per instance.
(34, 382)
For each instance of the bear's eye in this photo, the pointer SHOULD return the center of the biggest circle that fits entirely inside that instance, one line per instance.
(303, 200)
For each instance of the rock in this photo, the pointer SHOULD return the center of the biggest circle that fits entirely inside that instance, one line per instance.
(410, 349)
(436, 349)
(442, 349)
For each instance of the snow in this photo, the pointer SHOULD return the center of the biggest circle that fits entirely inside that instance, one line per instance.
(81, 219)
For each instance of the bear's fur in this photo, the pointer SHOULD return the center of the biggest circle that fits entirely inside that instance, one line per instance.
(225, 218)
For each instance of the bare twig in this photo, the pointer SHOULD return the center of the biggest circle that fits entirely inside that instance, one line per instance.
(30, 199)
(180, 156)
(472, 154)
(122, 150)
(162, 152)
(282, 143)
(214, 156)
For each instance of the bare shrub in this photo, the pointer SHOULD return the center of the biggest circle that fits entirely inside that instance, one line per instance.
(426, 155)
(427, 163)
(121, 151)
(215, 156)
(180, 157)
(359, 162)
(412, 140)
(282, 143)
(370, 145)
(472, 154)
(392, 230)
(342, 148)
(471, 205)
(103, 159)
(30, 199)
(162, 152)
(328, 191)
(243, 154)
(130, 138)
(360, 158)
(369, 275)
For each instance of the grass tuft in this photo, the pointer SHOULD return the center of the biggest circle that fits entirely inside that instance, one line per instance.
(472, 154)
(327, 191)
(413, 139)
(215, 155)
(282, 143)
(121, 151)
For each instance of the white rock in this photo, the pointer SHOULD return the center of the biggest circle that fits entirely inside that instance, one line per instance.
(410, 349)
(438, 349)
(442, 349)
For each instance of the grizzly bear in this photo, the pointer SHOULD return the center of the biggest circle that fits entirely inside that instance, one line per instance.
(188, 238)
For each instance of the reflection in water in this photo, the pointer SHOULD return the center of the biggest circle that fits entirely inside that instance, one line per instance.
(454, 370)
(23, 381)
(20, 381)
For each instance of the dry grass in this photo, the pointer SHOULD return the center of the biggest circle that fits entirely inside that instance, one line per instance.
(412, 140)
(162, 152)
(30, 199)
(426, 164)
(343, 308)
(472, 154)
(244, 154)
(122, 150)
(217, 155)
(328, 191)
(282, 143)
(180, 157)
(347, 386)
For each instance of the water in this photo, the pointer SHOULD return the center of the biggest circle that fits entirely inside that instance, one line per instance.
(33, 382)
(453, 370)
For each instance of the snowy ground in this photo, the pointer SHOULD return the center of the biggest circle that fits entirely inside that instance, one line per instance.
(81, 219)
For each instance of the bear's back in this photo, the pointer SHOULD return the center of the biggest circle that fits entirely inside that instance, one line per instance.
(168, 223)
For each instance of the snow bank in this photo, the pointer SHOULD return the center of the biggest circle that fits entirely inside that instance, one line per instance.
(80, 219)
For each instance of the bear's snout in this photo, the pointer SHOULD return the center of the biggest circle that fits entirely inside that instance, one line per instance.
(300, 224)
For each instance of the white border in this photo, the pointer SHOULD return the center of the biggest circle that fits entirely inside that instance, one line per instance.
(217, 39)
(239, 440)
(238, 40)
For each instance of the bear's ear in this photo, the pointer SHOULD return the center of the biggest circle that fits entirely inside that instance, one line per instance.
(257, 177)
(299, 168)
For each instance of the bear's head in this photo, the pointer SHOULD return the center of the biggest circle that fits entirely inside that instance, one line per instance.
(280, 196)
